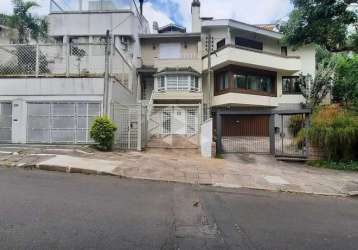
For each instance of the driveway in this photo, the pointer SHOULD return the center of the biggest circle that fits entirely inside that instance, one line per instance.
(187, 166)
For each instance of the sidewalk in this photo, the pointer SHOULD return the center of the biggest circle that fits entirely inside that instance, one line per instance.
(187, 166)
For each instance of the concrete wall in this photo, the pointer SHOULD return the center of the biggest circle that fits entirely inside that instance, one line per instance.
(206, 138)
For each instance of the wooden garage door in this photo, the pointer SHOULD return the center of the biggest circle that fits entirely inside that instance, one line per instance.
(240, 125)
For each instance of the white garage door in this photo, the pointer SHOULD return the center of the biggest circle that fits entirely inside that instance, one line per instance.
(5, 122)
(60, 122)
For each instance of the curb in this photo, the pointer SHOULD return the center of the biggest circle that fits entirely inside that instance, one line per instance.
(67, 169)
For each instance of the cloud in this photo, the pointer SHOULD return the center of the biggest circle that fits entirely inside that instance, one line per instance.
(152, 14)
(253, 11)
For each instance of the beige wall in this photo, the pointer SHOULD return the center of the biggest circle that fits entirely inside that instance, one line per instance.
(190, 55)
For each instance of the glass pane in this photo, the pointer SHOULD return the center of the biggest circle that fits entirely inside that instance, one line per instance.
(266, 84)
(38, 109)
(82, 109)
(63, 122)
(253, 82)
(172, 82)
(241, 81)
(183, 82)
(63, 109)
(82, 122)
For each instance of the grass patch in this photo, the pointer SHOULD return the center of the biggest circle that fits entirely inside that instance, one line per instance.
(341, 165)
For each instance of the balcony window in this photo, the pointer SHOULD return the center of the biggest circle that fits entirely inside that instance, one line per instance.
(245, 80)
(223, 81)
(248, 43)
(290, 85)
(178, 83)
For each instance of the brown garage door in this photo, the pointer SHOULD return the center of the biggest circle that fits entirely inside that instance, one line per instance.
(246, 125)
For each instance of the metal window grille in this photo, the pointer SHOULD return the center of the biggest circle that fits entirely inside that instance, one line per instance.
(61, 122)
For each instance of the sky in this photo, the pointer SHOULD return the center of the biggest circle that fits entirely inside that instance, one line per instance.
(178, 11)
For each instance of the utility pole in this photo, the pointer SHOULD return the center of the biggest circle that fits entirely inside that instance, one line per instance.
(209, 48)
(107, 52)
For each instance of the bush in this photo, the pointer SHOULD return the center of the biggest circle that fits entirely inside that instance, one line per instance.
(335, 131)
(102, 132)
(296, 123)
(346, 166)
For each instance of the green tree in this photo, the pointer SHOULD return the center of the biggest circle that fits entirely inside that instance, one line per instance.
(316, 90)
(345, 89)
(27, 25)
(327, 23)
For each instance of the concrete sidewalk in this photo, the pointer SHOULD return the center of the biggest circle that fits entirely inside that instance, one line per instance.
(187, 166)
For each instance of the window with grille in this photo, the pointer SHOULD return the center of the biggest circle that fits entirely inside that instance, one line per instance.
(178, 83)
(290, 85)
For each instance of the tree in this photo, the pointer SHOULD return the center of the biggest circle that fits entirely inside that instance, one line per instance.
(327, 23)
(27, 25)
(316, 90)
(345, 89)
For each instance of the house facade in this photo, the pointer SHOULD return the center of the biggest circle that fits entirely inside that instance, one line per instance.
(51, 93)
(171, 86)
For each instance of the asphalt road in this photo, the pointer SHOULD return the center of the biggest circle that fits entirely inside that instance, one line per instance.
(48, 210)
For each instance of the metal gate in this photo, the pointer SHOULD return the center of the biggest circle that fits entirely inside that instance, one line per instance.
(278, 132)
(61, 122)
(5, 122)
(290, 136)
(245, 134)
(174, 126)
(131, 124)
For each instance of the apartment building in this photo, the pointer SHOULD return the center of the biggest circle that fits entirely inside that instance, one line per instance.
(51, 93)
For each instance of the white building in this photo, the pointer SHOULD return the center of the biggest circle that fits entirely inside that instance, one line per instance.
(51, 93)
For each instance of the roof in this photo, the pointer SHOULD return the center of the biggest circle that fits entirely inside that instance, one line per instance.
(183, 70)
(172, 28)
(269, 27)
(243, 26)
(170, 35)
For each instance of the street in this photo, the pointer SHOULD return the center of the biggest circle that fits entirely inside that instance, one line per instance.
(51, 210)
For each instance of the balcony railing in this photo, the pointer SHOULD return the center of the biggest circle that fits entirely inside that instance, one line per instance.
(61, 60)
(57, 6)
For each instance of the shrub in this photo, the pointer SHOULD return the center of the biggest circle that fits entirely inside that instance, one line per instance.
(102, 132)
(335, 131)
(296, 123)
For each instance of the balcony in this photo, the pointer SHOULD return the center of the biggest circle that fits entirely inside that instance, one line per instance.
(241, 99)
(237, 55)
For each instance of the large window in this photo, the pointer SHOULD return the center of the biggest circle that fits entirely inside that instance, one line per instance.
(178, 82)
(223, 80)
(246, 80)
(254, 82)
(290, 85)
(169, 51)
(248, 43)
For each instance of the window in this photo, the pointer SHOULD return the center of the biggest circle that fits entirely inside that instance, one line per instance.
(220, 44)
(283, 51)
(290, 85)
(178, 82)
(169, 51)
(244, 42)
(223, 81)
(241, 82)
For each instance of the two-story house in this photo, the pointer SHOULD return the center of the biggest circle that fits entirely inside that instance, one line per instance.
(250, 72)
(51, 93)
(171, 85)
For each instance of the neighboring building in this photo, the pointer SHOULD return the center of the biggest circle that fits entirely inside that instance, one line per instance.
(171, 85)
(7, 35)
(51, 93)
(252, 73)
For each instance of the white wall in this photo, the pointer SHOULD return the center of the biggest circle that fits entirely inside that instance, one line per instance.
(206, 138)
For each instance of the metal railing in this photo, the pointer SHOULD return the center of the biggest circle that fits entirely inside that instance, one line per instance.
(61, 60)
